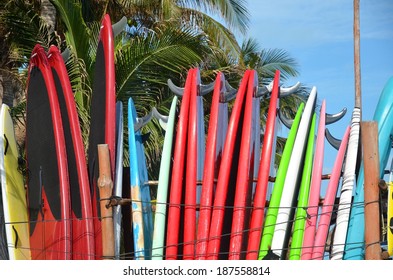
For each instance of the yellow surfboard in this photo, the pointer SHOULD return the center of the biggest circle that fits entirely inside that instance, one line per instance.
(13, 191)
(390, 213)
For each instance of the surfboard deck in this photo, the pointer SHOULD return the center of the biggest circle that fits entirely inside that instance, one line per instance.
(102, 119)
(48, 193)
(271, 215)
(13, 193)
(220, 226)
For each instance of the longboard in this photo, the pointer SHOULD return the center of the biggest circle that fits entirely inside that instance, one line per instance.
(102, 119)
(194, 166)
(220, 225)
(304, 191)
(48, 192)
(315, 187)
(327, 207)
(354, 248)
(81, 208)
(118, 182)
(163, 185)
(140, 190)
(245, 171)
(259, 201)
(218, 124)
(177, 181)
(348, 183)
(13, 193)
(289, 194)
(271, 215)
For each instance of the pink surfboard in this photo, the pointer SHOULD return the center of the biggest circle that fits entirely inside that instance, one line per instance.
(315, 187)
(327, 208)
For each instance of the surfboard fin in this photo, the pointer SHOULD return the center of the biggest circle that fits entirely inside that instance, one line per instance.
(287, 122)
(332, 140)
(119, 26)
(264, 91)
(66, 54)
(228, 93)
(179, 91)
(162, 119)
(140, 122)
(332, 118)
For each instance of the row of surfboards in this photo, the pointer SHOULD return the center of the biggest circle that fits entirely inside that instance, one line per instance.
(212, 188)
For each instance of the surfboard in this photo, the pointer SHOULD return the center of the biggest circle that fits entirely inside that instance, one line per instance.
(292, 180)
(315, 187)
(118, 182)
(13, 193)
(177, 180)
(245, 174)
(102, 119)
(258, 210)
(221, 219)
(218, 124)
(48, 192)
(81, 208)
(390, 212)
(304, 191)
(163, 185)
(271, 215)
(354, 248)
(346, 192)
(327, 207)
(142, 217)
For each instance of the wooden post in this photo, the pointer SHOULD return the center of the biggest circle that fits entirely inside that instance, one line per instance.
(356, 37)
(371, 190)
(105, 186)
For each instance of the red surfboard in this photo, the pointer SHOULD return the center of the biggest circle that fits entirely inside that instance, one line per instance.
(102, 119)
(177, 180)
(245, 172)
(221, 220)
(257, 216)
(47, 182)
(218, 123)
(81, 210)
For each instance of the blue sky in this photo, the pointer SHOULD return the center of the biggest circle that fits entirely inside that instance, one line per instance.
(319, 35)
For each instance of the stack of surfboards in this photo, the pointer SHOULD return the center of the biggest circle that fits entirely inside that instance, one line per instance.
(212, 189)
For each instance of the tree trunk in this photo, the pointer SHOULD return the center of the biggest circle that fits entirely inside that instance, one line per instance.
(48, 13)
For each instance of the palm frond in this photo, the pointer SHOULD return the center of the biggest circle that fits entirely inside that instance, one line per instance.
(273, 59)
